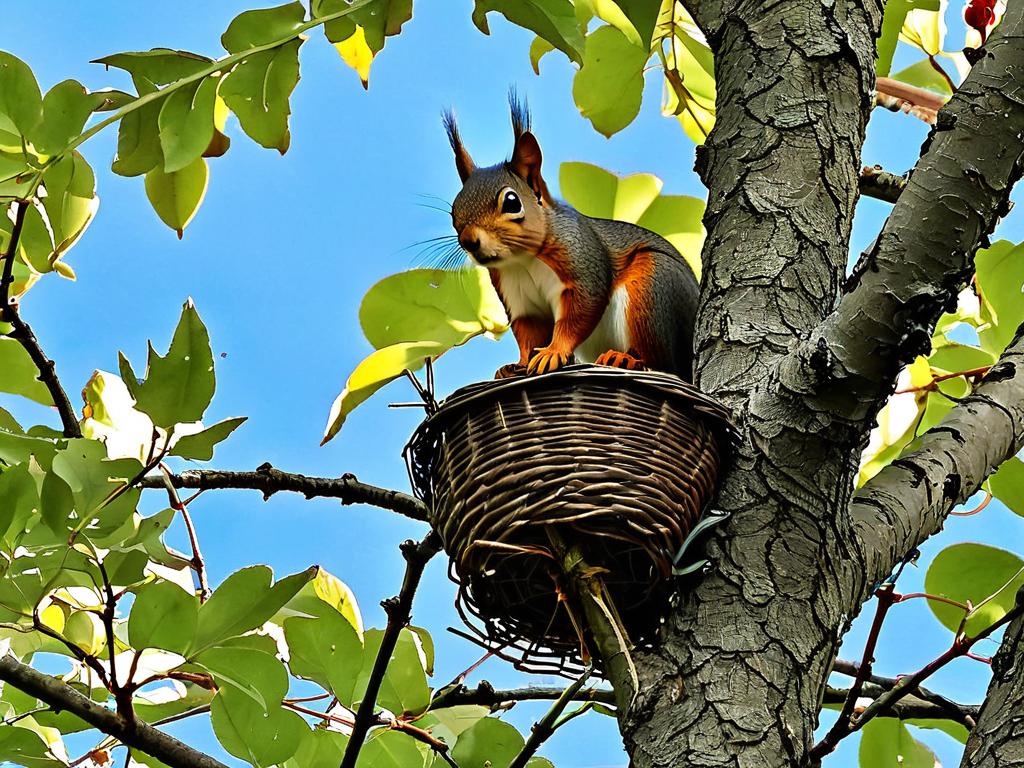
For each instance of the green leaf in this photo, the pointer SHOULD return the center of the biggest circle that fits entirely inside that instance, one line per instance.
(19, 502)
(159, 66)
(491, 742)
(138, 136)
(65, 107)
(952, 728)
(22, 746)
(324, 593)
(601, 194)
(404, 688)
(185, 123)
(1007, 485)
(360, 36)
(257, 91)
(319, 749)
(163, 616)
(179, 386)
(390, 749)
(326, 650)
(886, 742)
(249, 732)
(55, 503)
(924, 75)
(554, 20)
(448, 723)
(539, 48)
(20, 375)
(244, 602)
(431, 305)
(70, 202)
(265, 25)
(20, 100)
(111, 417)
(986, 576)
(1000, 278)
(609, 87)
(177, 196)
(16, 447)
(426, 648)
(260, 676)
(199, 446)
(8, 422)
(539, 762)
(93, 478)
(952, 357)
(380, 368)
(643, 16)
(892, 24)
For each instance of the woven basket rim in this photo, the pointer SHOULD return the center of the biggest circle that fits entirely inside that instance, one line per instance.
(574, 375)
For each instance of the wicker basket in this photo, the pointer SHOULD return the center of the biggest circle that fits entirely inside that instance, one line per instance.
(623, 463)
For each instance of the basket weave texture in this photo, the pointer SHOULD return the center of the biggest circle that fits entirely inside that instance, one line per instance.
(621, 462)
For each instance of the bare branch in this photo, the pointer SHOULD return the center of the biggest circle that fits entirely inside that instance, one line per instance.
(198, 564)
(908, 500)
(137, 735)
(910, 707)
(998, 739)
(897, 96)
(399, 611)
(269, 481)
(484, 694)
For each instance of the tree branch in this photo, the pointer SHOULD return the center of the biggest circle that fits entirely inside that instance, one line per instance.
(906, 709)
(924, 254)
(22, 332)
(897, 96)
(908, 500)
(269, 481)
(399, 611)
(998, 739)
(137, 735)
(486, 695)
(881, 185)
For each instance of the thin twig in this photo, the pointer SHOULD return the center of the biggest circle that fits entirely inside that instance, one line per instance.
(484, 694)
(197, 562)
(425, 737)
(930, 386)
(841, 727)
(399, 612)
(22, 332)
(138, 734)
(546, 726)
(269, 481)
(910, 707)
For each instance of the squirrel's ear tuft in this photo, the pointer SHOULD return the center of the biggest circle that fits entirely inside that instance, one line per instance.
(525, 163)
(463, 162)
(520, 113)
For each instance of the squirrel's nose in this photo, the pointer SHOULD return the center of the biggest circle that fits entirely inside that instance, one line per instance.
(470, 242)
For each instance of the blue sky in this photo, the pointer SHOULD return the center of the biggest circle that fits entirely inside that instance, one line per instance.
(282, 251)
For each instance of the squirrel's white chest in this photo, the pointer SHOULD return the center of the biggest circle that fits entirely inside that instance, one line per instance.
(531, 290)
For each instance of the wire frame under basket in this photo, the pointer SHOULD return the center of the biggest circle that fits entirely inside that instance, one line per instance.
(621, 463)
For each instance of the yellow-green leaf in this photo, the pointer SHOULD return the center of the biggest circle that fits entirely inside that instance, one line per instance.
(176, 196)
(431, 305)
(609, 87)
(185, 123)
(383, 366)
(257, 91)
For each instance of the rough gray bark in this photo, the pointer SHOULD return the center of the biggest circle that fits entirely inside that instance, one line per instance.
(998, 739)
(742, 667)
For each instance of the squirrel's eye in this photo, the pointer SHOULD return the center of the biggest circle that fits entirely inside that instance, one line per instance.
(510, 203)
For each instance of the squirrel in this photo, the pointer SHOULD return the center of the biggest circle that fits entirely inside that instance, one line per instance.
(574, 287)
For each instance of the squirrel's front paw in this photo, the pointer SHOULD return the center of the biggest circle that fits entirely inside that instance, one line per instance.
(545, 360)
(510, 371)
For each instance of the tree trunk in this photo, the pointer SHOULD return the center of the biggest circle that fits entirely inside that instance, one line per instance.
(739, 676)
